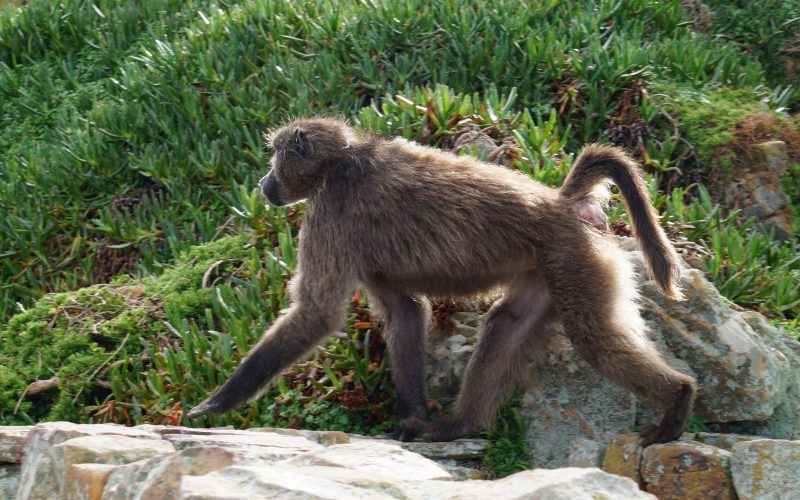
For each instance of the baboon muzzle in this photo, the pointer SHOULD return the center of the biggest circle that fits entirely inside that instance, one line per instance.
(269, 187)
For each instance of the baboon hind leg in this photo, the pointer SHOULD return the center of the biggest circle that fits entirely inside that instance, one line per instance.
(514, 332)
(596, 304)
(405, 324)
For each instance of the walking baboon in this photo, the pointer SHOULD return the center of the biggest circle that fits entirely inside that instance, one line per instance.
(408, 222)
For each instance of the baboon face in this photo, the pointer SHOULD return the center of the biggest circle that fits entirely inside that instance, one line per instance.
(305, 151)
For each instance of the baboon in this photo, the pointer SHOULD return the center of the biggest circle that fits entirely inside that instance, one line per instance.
(408, 222)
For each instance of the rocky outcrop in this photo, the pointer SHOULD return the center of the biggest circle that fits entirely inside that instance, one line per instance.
(88, 462)
(766, 469)
(83, 462)
(708, 465)
(687, 469)
(755, 187)
(748, 374)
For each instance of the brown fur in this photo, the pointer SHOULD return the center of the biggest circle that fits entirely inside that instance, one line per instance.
(408, 222)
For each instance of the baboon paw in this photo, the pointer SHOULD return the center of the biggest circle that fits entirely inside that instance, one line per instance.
(655, 434)
(408, 428)
(445, 429)
(204, 408)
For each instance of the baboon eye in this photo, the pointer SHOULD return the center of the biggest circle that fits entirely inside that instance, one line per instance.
(300, 141)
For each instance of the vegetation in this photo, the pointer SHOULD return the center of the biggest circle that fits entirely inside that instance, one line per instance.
(130, 147)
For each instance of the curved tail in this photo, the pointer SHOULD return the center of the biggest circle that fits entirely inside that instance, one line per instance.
(595, 165)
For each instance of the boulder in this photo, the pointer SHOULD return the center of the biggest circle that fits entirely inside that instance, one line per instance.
(39, 477)
(11, 439)
(380, 459)
(247, 482)
(755, 187)
(567, 404)
(623, 457)
(161, 477)
(277, 445)
(748, 373)
(86, 481)
(9, 480)
(766, 469)
(687, 469)
(330, 482)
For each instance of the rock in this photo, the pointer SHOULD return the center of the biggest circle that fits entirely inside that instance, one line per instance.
(112, 450)
(39, 478)
(86, 481)
(484, 147)
(740, 377)
(463, 473)
(567, 402)
(103, 449)
(756, 188)
(561, 484)
(724, 441)
(325, 438)
(161, 477)
(173, 429)
(687, 469)
(585, 453)
(241, 482)
(329, 482)
(568, 484)
(278, 445)
(623, 457)
(748, 372)
(382, 459)
(450, 350)
(784, 423)
(9, 480)
(766, 469)
(11, 439)
(459, 449)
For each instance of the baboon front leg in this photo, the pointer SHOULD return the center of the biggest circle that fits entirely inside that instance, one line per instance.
(596, 304)
(405, 323)
(514, 328)
(319, 306)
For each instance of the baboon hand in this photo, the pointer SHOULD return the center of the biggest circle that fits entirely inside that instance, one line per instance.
(408, 428)
(207, 407)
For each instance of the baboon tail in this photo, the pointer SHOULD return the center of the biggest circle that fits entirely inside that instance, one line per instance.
(597, 164)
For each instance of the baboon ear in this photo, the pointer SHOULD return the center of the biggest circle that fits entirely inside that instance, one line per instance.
(301, 141)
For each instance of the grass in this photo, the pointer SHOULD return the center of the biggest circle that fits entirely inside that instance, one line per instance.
(130, 144)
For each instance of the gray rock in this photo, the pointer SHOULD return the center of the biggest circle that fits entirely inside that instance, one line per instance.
(279, 445)
(766, 469)
(748, 373)
(39, 478)
(9, 480)
(755, 187)
(278, 481)
(585, 453)
(11, 439)
(386, 460)
(784, 423)
(739, 376)
(161, 477)
(568, 403)
(243, 482)
(687, 469)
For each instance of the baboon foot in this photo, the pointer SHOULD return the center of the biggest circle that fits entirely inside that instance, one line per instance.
(674, 420)
(446, 429)
(408, 428)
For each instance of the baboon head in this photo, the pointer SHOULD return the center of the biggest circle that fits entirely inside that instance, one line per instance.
(305, 152)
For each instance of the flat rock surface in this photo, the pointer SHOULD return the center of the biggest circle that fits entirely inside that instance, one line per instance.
(766, 469)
